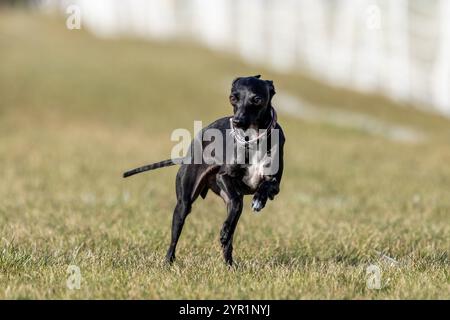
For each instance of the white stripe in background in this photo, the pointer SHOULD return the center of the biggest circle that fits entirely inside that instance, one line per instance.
(296, 107)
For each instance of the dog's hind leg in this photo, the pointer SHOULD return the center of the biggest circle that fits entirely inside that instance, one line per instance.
(186, 183)
(234, 203)
(180, 213)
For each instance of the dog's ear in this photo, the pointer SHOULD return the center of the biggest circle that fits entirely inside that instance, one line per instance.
(234, 81)
(257, 76)
(271, 87)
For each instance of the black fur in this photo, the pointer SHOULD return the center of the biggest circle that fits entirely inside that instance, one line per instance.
(251, 99)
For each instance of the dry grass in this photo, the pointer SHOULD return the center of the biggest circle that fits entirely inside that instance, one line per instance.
(76, 111)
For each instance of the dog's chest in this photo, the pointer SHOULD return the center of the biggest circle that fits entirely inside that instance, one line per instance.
(255, 171)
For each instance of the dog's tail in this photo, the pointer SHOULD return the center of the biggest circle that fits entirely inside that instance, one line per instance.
(153, 166)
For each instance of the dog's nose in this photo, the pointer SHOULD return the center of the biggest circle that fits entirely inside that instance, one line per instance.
(238, 122)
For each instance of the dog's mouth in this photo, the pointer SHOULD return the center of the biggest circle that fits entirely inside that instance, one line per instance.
(240, 124)
(242, 127)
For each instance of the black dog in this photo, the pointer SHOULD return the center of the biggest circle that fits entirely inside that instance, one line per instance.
(251, 99)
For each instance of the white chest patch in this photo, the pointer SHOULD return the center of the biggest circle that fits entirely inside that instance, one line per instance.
(256, 170)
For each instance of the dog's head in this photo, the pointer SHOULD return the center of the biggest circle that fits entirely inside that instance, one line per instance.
(251, 100)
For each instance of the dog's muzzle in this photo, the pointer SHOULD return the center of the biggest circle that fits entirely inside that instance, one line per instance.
(238, 137)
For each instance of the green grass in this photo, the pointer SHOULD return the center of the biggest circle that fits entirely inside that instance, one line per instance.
(76, 111)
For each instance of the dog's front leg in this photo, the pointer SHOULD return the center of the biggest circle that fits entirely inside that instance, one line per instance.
(270, 186)
(268, 189)
(234, 202)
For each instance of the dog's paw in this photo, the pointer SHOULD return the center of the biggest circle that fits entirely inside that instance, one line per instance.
(258, 203)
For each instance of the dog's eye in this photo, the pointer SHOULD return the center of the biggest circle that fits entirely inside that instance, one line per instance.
(233, 99)
(257, 100)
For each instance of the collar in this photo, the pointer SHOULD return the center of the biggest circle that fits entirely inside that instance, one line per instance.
(241, 139)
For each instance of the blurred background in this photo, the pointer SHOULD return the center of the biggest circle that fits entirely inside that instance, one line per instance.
(398, 48)
(91, 88)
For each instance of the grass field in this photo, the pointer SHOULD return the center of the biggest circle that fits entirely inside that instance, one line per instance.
(75, 112)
